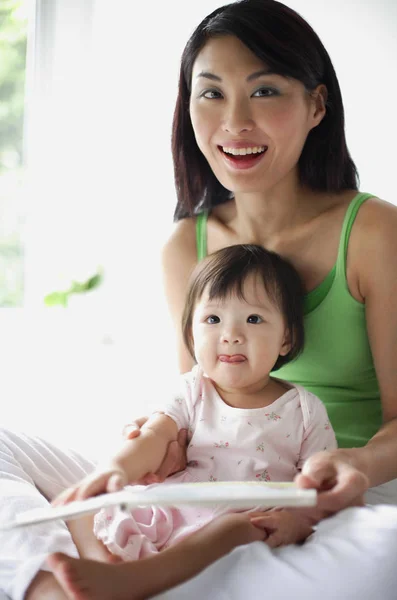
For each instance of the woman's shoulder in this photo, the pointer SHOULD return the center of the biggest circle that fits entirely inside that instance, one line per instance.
(375, 224)
(376, 211)
(373, 243)
(181, 245)
(183, 237)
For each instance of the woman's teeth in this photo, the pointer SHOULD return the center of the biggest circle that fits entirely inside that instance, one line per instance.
(244, 151)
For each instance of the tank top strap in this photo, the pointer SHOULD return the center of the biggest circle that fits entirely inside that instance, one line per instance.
(348, 221)
(201, 235)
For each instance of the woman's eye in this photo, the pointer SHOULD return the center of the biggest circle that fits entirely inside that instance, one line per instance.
(212, 319)
(254, 319)
(211, 94)
(265, 93)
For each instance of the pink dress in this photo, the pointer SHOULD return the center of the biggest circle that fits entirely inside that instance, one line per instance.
(225, 444)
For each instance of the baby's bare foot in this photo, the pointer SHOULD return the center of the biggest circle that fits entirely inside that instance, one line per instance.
(83, 579)
(45, 587)
(87, 544)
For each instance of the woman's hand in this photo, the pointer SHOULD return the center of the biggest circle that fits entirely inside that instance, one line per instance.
(282, 526)
(338, 481)
(111, 479)
(175, 459)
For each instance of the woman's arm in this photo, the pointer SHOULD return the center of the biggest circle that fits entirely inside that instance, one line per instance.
(372, 261)
(179, 259)
(378, 285)
(136, 457)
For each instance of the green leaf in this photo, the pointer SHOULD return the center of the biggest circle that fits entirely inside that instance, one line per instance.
(77, 287)
(94, 281)
(56, 299)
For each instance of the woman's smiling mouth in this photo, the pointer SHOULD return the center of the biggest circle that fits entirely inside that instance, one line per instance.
(244, 157)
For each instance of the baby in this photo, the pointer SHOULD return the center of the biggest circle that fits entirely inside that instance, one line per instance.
(243, 318)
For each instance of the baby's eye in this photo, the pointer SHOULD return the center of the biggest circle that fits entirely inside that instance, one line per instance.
(212, 319)
(254, 319)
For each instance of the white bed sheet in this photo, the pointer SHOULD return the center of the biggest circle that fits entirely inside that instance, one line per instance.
(352, 555)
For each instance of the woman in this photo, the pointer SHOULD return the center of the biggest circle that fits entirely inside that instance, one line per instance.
(260, 157)
(255, 76)
(259, 143)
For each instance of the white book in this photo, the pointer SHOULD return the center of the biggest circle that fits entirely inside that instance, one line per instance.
(236, 495)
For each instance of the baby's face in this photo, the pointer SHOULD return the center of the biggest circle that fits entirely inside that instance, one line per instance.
(238, 340)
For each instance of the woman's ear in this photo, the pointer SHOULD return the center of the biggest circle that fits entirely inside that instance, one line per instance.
(287, 343)
(319, 98)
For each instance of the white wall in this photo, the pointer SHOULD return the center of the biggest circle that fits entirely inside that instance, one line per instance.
(100, 175)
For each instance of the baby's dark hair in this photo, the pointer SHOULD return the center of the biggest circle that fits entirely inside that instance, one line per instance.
(224, 272)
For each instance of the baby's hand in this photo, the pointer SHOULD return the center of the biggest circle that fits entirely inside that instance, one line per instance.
(111, 479)
(283, 527)
(175, 459)
(228, 531)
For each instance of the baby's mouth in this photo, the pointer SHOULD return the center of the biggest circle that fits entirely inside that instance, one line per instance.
(232, 358)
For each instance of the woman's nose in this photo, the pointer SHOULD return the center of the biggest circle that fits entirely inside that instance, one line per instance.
(237, 119)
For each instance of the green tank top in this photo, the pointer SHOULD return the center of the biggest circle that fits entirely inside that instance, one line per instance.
(336, 363)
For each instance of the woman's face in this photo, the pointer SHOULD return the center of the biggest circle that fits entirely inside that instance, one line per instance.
(250, 124)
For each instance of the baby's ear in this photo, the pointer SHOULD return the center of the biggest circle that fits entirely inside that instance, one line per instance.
(191, 346)
(287, 343)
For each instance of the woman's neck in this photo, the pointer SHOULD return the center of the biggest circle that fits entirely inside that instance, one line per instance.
(261, 216)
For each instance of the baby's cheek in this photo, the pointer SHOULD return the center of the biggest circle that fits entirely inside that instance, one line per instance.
(200, 354)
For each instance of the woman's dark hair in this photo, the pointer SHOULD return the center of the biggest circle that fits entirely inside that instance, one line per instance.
(224, 273)
(287, 44)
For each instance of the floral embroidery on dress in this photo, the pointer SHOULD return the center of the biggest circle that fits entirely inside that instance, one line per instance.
(327, 425)
(261, 447)
(179, 399)
(212, 478)
(221, 444)
(264, 476)
(272, 416)
(192, 463)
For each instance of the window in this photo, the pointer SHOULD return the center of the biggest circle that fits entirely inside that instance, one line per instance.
(13, 42)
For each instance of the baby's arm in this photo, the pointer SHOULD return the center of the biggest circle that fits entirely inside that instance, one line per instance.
(136, 457)
(284, 526)
(145, 454)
